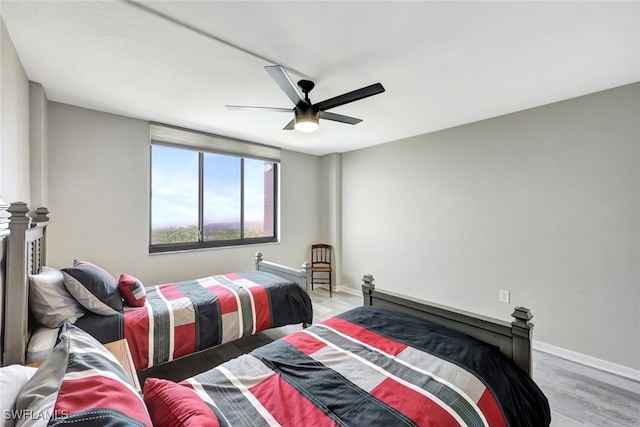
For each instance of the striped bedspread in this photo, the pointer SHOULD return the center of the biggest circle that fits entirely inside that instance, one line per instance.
(185, 317)
(372, 367)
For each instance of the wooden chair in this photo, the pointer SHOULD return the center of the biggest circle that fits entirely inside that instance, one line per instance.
(321, 263)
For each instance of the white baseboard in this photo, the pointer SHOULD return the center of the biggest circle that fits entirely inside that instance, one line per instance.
(349, 290)
(594, 362)
(345, 289)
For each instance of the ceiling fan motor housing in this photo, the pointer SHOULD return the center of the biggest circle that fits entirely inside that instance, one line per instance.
(306, 120)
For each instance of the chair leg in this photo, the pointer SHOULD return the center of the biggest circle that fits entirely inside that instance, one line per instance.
(330, 284)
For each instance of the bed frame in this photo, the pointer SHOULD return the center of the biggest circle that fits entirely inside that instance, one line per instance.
(25, 255)
(513, 339)
(23, 252)
(301, 277)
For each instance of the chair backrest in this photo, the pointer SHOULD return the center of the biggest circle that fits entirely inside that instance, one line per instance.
(320, 254)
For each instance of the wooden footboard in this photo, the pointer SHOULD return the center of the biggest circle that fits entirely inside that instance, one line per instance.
(300, 276)
(513, 339)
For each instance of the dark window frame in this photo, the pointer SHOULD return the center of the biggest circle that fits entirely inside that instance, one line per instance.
(209, 244)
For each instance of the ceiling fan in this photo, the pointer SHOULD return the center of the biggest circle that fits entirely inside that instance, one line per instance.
(305, 114)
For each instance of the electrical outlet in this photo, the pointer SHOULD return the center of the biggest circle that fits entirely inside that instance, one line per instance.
(504, 296)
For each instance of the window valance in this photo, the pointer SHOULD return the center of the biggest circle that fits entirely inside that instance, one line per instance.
(170, 135)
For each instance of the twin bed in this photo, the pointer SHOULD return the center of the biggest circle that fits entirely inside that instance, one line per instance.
(395, 361)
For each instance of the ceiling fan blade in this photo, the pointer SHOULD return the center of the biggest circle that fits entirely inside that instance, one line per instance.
(287, 85)
(290, 125)
(250, 108)
(339, 118)
(345, 98)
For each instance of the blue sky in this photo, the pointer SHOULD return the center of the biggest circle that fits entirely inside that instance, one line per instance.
(175, 188)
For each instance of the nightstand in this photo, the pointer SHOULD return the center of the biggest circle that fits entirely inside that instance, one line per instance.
(120, 349)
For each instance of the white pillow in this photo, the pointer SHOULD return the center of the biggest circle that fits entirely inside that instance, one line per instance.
(41, 343)
(49, 300)
(12, 379)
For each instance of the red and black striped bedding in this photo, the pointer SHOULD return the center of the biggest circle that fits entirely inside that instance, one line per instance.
(181, 318)
(372, 367)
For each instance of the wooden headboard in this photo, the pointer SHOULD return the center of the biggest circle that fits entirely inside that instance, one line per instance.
(25, 255)
(513, 339)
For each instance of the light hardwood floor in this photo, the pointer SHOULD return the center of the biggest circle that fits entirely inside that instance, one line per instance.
(578, 395)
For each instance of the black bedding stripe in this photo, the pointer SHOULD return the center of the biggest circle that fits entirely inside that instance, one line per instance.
(222, 421)
(207, 312)
(103, 328)
(502, 377)
(286, 302)
(161, 328)
(441, 390)
(350, 406)
(236, 411)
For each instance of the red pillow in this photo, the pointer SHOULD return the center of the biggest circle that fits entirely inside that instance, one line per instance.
(132, 290)
(171, 404)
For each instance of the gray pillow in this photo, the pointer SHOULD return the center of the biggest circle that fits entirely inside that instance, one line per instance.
(50, 302)
(81, 383)
(93, 287)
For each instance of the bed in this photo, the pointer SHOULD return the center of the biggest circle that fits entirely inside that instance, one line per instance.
(182, 318)
(368, 366)
(394, 361)
(161, 322)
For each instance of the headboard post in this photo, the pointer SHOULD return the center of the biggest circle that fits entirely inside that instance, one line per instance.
(522, 336)
(306, 272)
(367, 289)
(16, 293)
(41, 215)
(258, 259)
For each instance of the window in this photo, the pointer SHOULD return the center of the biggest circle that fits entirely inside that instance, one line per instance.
(208, 198)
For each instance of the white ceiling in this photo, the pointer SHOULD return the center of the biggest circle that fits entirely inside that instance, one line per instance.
(443, 64)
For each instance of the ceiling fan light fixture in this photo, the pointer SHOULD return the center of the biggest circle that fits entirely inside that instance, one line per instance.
(306, 121)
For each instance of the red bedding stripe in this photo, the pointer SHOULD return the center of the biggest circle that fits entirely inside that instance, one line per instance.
(297, 412)
(490, 409)
(304, 342)
(233, 276)
(416, 406)
(262, 307)
(227, 299)
(170, 291)
(366, 336)
(92, 392)
(136, 331)
(185, 340)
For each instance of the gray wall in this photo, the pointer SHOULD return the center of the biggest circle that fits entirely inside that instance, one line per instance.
(99, 202)
(14, 123)
(330, 181)
(543, 203)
